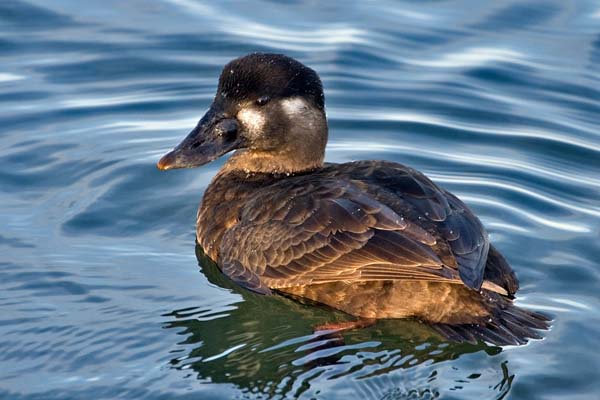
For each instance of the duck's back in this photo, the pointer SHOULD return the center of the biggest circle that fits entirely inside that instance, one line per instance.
(361, 221)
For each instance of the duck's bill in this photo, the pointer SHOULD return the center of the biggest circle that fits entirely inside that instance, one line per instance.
(214, 136)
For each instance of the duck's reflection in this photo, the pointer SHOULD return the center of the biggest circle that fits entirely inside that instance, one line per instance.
(265, 344)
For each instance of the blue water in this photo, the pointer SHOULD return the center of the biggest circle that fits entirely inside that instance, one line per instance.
(101, 292)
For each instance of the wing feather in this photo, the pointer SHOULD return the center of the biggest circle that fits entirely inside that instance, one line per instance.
(415, 194)
(358, 221)
(342, 233)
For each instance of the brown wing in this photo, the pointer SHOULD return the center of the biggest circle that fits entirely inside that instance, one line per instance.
(325, 231)
(411, 193)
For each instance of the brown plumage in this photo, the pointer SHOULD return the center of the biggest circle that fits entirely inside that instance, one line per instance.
(374, 239)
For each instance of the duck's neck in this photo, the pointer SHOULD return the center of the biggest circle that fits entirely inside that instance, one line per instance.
(281, 162)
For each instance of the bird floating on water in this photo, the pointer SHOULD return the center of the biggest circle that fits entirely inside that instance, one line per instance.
(375, 239)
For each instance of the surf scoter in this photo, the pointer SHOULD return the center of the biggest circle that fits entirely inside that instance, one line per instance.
(375, 239)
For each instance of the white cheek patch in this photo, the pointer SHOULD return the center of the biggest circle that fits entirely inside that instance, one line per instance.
(252, 119)
(294, 106)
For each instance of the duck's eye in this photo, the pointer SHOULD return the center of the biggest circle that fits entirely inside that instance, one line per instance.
(261, 101)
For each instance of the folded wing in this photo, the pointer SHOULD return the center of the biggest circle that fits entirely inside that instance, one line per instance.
(323, 232)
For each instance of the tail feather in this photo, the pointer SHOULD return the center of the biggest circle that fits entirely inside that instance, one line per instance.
(499, 272)
(509, 325)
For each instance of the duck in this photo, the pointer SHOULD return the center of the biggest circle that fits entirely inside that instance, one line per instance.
(374, 239)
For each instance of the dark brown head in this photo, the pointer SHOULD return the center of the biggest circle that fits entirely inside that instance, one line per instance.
(270, 108)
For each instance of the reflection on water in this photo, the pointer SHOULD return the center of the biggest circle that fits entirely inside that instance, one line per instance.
(255, 344)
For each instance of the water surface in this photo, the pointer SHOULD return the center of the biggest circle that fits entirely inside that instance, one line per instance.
(101, 291)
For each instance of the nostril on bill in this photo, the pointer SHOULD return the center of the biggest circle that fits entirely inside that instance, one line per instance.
(229, 127)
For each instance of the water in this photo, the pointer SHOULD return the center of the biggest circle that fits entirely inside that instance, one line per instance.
(101, 293)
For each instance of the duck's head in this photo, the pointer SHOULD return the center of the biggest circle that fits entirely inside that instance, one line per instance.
(270, 108)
